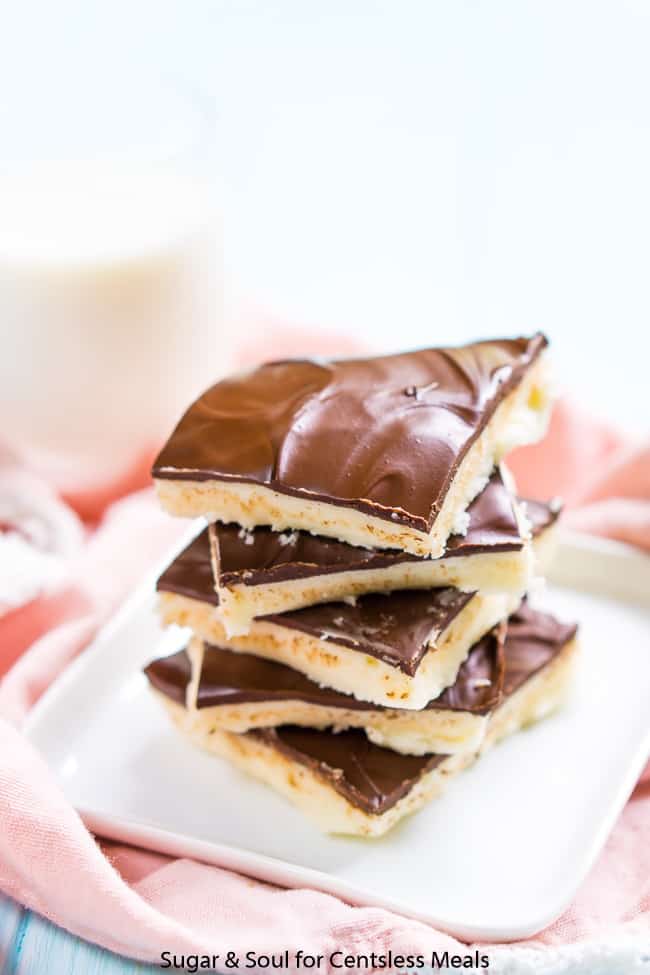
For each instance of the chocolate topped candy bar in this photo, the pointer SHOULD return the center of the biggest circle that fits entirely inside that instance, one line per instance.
(397, 649)
(259, 572)
(533, 640)
(349, 784)
(379, 647)
(370, 778)
(262, 555)
(384, 452)
(238, 692)
(540, 652)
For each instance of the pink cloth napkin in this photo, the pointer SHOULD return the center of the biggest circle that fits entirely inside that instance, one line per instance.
(139, 903)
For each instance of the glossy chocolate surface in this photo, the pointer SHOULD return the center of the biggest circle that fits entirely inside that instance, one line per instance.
(263, 556)
(540, 514)
(171, 675)
(374, 779)
(534, 638)
(190, 573)
(394, 627)
(371, 778)
(382, 435)
(229, 678)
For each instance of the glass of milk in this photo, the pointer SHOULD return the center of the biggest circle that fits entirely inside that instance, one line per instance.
(111, 285)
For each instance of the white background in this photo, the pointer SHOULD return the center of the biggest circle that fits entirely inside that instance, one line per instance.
(413, 172)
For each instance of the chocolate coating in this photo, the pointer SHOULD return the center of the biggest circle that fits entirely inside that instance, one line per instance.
(534, 638)
(190, 573)
(374, 779)
(263, 556)
(229, 678)
(371, 778)
(540, 514)
(394, 627)
(171, 675)
(382, 435)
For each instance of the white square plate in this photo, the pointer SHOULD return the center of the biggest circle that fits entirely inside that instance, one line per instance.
(498, 857)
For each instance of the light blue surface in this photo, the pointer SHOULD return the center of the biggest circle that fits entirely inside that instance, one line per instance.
(30, 945)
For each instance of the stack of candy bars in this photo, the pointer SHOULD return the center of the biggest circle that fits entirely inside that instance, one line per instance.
(358, 597)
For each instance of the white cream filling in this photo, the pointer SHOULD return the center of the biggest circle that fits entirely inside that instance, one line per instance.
(488, 572)
(442, 731)
(351, 671)
(311, 793)
(330, 810)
